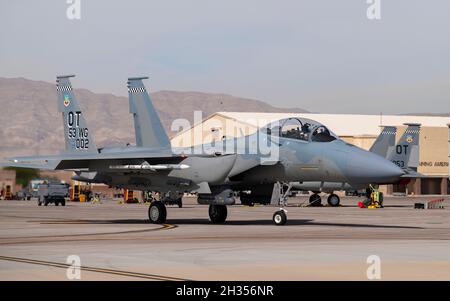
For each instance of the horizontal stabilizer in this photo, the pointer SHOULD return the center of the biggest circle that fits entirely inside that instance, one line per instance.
(44, 166)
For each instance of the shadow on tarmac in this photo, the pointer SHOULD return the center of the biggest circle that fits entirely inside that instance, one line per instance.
(291, 222)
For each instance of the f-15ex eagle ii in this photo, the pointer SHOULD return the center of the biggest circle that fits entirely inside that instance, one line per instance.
(259, 166)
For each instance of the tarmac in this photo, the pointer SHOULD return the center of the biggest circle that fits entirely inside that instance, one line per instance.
(116, 242)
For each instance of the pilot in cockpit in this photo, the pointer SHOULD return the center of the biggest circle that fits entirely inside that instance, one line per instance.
(305, 128)
(305, 131)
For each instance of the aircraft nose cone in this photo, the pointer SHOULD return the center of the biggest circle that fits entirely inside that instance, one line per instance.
(366, 167)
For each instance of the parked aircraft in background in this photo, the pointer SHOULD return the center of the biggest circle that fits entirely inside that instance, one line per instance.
(405, 154)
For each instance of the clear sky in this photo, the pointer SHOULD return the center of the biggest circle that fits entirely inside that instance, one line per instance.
(320, 55)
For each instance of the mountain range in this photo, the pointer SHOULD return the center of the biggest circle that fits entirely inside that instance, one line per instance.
(31, 124)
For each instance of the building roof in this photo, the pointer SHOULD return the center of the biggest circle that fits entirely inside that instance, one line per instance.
(342, 124)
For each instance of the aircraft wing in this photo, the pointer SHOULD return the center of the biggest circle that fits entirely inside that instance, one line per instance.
(119, 161)
(131, 154)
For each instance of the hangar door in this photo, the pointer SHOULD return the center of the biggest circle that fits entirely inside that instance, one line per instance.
(399, 188)
(431, 186)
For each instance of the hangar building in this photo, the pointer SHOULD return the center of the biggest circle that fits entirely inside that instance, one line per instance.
(360, 130)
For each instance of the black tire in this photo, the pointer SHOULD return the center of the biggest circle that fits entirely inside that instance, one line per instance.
(157, 212)
(333, 200)
(180, 203)
(246, 203)
(218, 213)
(39, 202)
(56, 203)
(63, 203)
(315, 200)
(279, 218)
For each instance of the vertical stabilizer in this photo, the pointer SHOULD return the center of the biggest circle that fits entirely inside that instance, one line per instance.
(149, 130)
(385, 140)
(76, 132)
(406, 152)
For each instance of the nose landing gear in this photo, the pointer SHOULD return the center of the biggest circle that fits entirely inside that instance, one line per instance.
(279, 198)
(280, 217)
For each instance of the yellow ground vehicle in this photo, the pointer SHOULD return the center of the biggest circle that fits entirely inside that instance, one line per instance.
(8, 192)
(374, 199)
(75, 192)
(128, 196)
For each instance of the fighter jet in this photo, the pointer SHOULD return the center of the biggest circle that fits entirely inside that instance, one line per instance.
(405, 154)
(259, 166)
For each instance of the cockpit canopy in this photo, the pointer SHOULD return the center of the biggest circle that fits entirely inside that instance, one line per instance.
(300, 129)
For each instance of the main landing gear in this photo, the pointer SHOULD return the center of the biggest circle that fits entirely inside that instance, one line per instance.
(315, 200)
(333, 200)
(218, 213)
(157, 212)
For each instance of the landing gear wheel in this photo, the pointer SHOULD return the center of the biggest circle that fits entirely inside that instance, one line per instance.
(279, 218)
(315, 200)
(333, 200)
(157, 212)
(218, 213)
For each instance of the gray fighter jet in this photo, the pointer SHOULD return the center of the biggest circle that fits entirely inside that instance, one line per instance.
(405, 154)
(260, 166)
